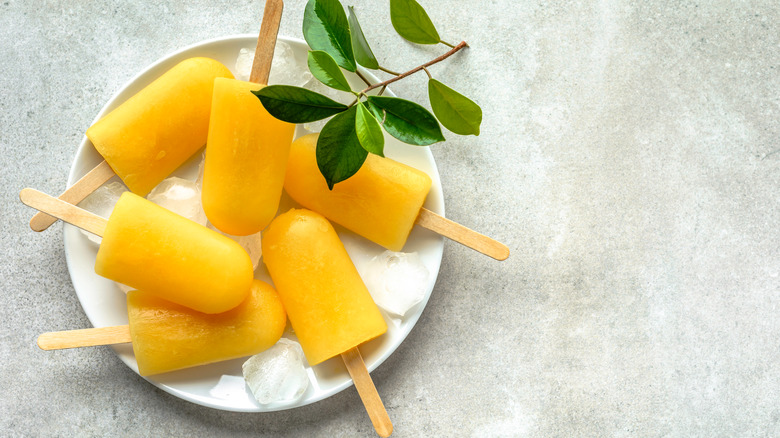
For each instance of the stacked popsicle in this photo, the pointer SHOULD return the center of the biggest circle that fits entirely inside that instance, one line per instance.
(329, 306)
(148, 136)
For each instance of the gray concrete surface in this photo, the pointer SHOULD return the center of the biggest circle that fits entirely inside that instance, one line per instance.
(629, 156)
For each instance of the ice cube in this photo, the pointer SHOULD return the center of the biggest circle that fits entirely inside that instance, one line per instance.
(180, 196)
(277, 375)
(231, 388)
(101, 202)
(252, 244)
(285, 68)
(244, 64)
(339, 96)
(124, 288)
(201, 166)
(397, 281)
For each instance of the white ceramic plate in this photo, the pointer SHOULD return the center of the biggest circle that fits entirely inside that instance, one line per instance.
(221, 385)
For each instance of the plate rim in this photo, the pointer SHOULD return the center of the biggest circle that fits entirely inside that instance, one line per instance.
(74, 174)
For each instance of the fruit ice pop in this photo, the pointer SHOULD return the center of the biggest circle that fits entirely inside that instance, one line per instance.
(329, 307)
(152, 249)
(151, 134)
(168, 337)
(246, 159)
(380, 202)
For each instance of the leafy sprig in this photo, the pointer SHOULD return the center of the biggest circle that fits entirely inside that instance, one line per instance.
(355, 130)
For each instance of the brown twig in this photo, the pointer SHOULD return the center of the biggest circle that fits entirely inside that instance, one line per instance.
(363, 78)
(416, 69)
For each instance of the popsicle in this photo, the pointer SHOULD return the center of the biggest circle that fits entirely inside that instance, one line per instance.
(152, 249)
(152, 133)
(329, 307)
(169, 337)
(247, 150)
(381, 202)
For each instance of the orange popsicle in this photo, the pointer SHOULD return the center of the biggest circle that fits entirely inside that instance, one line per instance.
(246, 160)
(380, 202)
(329, 307)
(152, 249)
(156, 130)
(168, 337)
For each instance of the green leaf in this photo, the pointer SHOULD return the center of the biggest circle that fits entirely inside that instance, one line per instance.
(325, 69)
(455, 111)
(339, 153)
(411, 22)
(363, 53)
(405, 120)
(325, 28)
(369, 132)
(378, 113)
(296, 104)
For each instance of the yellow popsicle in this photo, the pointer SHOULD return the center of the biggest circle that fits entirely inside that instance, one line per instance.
(246, 159)
(329, 307)
(380, 202)
(168, 337)
(152, 249)
(156, 130)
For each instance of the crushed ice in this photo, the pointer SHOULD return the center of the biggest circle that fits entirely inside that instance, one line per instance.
(277, 375)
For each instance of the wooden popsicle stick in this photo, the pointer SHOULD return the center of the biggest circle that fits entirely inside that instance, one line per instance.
(62, 210)
(118, 334)
(266, 42)
(367, 391)
(76, 193)
(464, 236)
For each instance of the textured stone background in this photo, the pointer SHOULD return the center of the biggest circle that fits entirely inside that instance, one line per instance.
(629, 156)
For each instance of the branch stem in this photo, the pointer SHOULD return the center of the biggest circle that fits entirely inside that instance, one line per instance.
(461, 45)
(387, 70)
(363, 78)
(446, 43)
